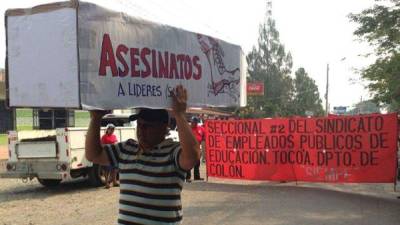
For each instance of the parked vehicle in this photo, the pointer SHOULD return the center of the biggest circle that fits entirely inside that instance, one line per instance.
(53, 156)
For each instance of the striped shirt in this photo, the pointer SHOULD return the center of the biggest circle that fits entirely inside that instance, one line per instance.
(150, 182)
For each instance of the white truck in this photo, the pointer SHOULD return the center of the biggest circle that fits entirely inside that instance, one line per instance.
(54, 156)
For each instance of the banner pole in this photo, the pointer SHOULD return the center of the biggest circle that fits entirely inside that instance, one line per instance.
(397, 171)
(397, 153)
(205, 155)
(205, 145)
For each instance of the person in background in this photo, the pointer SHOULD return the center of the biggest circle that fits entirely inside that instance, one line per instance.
(110, 172)
(203, 143)
(152, 169)
(199, 132)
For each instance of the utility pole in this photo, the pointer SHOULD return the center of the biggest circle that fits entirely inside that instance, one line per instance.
(269, 8)
(327, 91)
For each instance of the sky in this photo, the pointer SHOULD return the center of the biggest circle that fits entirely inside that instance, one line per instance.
(315, 32)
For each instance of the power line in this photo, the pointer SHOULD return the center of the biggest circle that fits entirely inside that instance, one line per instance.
(205, 23)
(174, 17)
(137, 9)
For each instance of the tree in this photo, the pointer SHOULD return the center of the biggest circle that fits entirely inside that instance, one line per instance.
(306, 95)
(269, 63)
(380, 26)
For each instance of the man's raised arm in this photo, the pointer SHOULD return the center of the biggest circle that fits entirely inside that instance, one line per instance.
(93, 149)
(190, 154)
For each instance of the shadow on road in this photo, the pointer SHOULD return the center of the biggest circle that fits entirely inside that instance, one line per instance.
(287, 188)
(286, 204)
(33, 190)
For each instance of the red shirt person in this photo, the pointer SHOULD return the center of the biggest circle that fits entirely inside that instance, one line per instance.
(199, 133)
(109, 137)
(110, 172)
(197, 130)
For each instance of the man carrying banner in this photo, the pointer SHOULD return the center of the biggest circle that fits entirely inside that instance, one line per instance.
(152, 170)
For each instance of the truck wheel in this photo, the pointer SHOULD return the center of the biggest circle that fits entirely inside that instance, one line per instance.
(96, 176)
(49, 182)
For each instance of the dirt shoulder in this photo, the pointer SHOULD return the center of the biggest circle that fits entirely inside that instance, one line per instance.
(3, 157)
(3, 152)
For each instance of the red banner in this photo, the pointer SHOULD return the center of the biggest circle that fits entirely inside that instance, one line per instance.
(330, 149)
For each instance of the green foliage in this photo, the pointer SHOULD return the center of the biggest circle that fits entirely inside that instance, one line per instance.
(269, 62)
(384, 77)
(306, 95)
(380, 26)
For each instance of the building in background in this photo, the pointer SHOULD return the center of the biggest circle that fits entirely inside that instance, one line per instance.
(339, 110)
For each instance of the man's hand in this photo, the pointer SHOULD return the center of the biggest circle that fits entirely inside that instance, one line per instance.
(190, 154)
(179, 99)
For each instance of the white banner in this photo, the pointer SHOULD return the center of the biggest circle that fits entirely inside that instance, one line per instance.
(126, 62)
(42, 58)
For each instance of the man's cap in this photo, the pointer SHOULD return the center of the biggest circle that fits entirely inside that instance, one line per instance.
(151, 115)
(195, 119)
(110, 125)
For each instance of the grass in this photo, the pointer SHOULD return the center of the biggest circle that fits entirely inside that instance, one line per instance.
(24, 119)
(24, 127)
(24, 113)
(82, 118)
(3, 139)
(82, 115)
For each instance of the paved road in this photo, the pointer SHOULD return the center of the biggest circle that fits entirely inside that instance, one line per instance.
(217, 202)
(288, 204)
